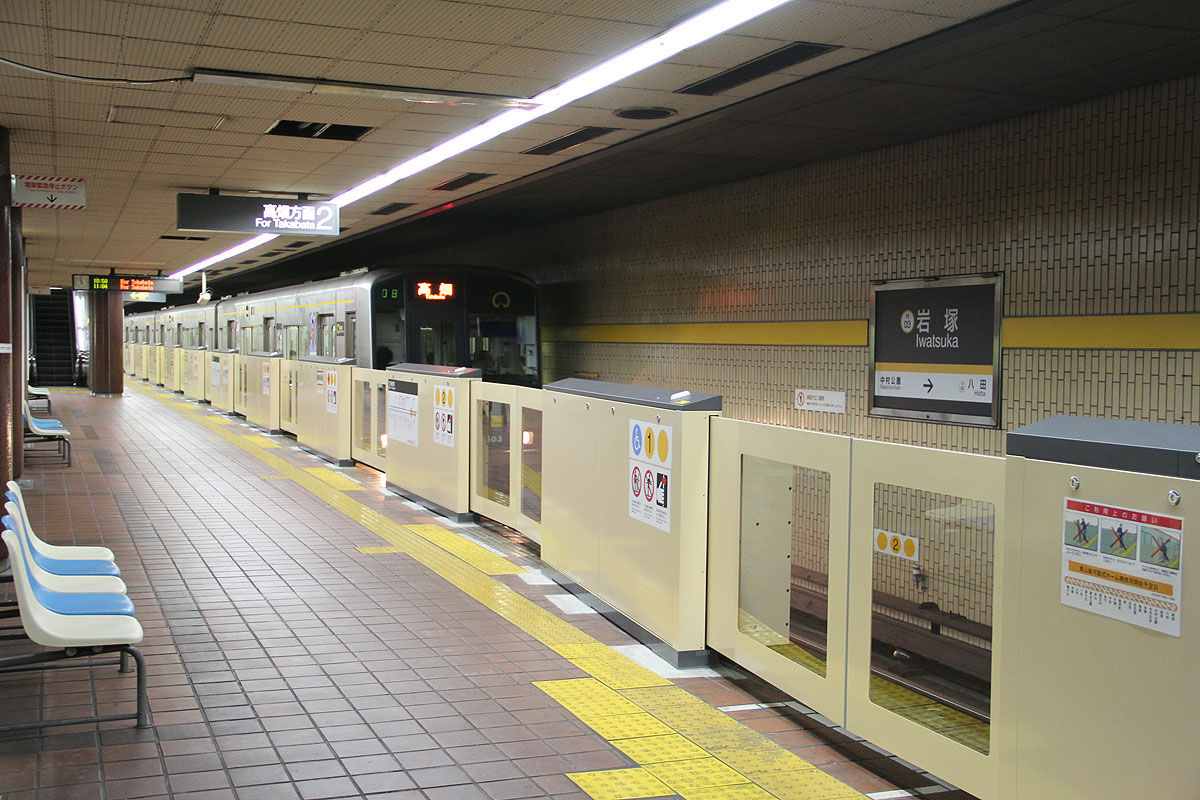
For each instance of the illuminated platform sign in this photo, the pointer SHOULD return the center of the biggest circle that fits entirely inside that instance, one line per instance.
(128, 283)
(283, 215)
(935, 349)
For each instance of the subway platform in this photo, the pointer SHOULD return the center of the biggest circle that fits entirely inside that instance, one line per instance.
(309, 635)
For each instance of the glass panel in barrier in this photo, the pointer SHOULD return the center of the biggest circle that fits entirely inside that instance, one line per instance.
(381, 419)
(931, 620)
(494, 419)
(531, 463)
(362, 427)
(783, 571)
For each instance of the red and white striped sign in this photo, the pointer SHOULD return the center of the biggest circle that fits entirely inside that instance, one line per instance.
(41, 191)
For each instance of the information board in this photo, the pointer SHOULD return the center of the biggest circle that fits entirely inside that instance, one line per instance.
(402, 412)
(935, 349)
(650, 486)
(219, 212)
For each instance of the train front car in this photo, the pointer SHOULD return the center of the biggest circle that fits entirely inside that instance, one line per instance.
(458, 317)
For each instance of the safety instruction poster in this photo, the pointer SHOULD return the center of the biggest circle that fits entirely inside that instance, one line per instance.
(331, 391)
(1123, 564)
(443, 415)
(402, 412)
(266, 381)
(650, 488)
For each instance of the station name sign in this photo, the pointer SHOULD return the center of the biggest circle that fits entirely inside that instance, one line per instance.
(935, 349)
(283, 215)
(128, 283)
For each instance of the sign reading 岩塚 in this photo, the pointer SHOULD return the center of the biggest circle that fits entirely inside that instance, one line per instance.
(214, 212)
(935, 349)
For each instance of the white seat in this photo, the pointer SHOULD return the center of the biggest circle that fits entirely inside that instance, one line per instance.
(71, 584)
(88, 552)
(38, 390)
(48, 430)
(62, 630)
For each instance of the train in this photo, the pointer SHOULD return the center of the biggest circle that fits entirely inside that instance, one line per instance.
(447, 315)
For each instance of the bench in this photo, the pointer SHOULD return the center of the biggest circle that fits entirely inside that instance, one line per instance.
(45, 429)
(35, 393)
(73, 627)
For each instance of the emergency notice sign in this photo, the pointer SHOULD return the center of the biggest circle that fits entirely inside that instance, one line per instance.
(650, 487)
(1123, 564)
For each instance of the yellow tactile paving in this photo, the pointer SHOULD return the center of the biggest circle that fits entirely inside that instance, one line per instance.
(696, 773)
(273, 477)
(260, 441)
(620, 674)
(656, 749)
(334, 479)
(751, 760)
(587, 697)
(620, 784)
(678, 711)
(376, 551)
(810, 784)
(478, 557)
(626, 726)
(740, 791)
(949, 722)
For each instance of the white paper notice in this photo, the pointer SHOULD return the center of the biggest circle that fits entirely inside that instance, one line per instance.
(1123, 564)
(649, 479)
(443, 415)
(266, 381)
(216, 372)
(331, 391)
(402, 412)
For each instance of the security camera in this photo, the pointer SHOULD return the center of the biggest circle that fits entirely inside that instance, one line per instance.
(204, 297)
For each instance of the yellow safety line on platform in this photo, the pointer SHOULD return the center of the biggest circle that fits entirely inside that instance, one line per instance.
(334, 479)
(1116, 332)
(622, 700)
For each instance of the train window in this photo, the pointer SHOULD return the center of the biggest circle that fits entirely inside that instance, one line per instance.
(504, 344)
(494, 427)
(351, 329)
(783, 570)
(249, 336)
(268, 333)
(203, 338)
(230, 329)
(178, 333)
(437, 342)
(931, 613)
(362, 399)
(291, 341)
(531, 463)
(390, 346)
(326, 342)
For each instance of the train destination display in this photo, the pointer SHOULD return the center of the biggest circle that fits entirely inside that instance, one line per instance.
(935, 349)
(127, 283)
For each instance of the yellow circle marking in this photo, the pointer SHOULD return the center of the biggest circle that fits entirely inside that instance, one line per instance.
(882, 540)
(896, 544)
(663, 444)
(910, 548)
(649, 442)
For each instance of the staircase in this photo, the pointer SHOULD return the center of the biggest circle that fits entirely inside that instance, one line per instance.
(52, 340)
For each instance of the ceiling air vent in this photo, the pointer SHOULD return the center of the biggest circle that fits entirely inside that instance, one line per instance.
(249, 261)
(567, 142)
(390, 208)
(318, 130)
(294, 245)
(782, 58)
(272, 253)
(461, 181)
(173, 238)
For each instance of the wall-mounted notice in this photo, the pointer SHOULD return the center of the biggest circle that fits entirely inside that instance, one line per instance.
(443, 415)
(935, 349)
(402, 412)
(1123, 564)
(649, 480)
(331, 391)
(266, 381)
(817, 400)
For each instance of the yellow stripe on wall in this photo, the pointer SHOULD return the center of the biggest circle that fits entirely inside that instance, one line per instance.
(1124, 332)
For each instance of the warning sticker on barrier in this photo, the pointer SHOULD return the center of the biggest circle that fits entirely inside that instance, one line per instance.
(650, 452)
(331, 391)
(1123, 564)
(266, 379)
(443, 415)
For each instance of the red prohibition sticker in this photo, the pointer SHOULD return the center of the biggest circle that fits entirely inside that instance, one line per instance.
(649, 486)
(637, 482)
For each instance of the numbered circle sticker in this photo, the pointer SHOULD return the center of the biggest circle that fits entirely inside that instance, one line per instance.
(649, 443)
(663, 445)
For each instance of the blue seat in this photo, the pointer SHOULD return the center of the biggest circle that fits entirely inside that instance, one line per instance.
(57, 566)
(69, 603)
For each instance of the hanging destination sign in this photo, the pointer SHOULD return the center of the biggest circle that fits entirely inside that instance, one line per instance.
(283, 215)
(127, 283)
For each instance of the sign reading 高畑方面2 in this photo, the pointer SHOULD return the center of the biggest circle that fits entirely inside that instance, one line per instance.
(216, 212)
(935, 349)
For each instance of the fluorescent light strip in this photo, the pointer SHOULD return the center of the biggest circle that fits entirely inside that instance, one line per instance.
(705, 25)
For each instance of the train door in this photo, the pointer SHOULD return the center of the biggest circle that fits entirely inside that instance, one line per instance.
(436, 327)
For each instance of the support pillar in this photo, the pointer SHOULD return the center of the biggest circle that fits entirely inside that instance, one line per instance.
(7, 336)
(106, 361)
(20, 356)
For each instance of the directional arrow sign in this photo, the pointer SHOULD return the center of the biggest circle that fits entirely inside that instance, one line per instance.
(40, 191)
(928, 384)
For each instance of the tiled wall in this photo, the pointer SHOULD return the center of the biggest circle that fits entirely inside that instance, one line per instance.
(1091, 209)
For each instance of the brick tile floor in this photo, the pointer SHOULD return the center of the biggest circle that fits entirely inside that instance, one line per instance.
(285, 664)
